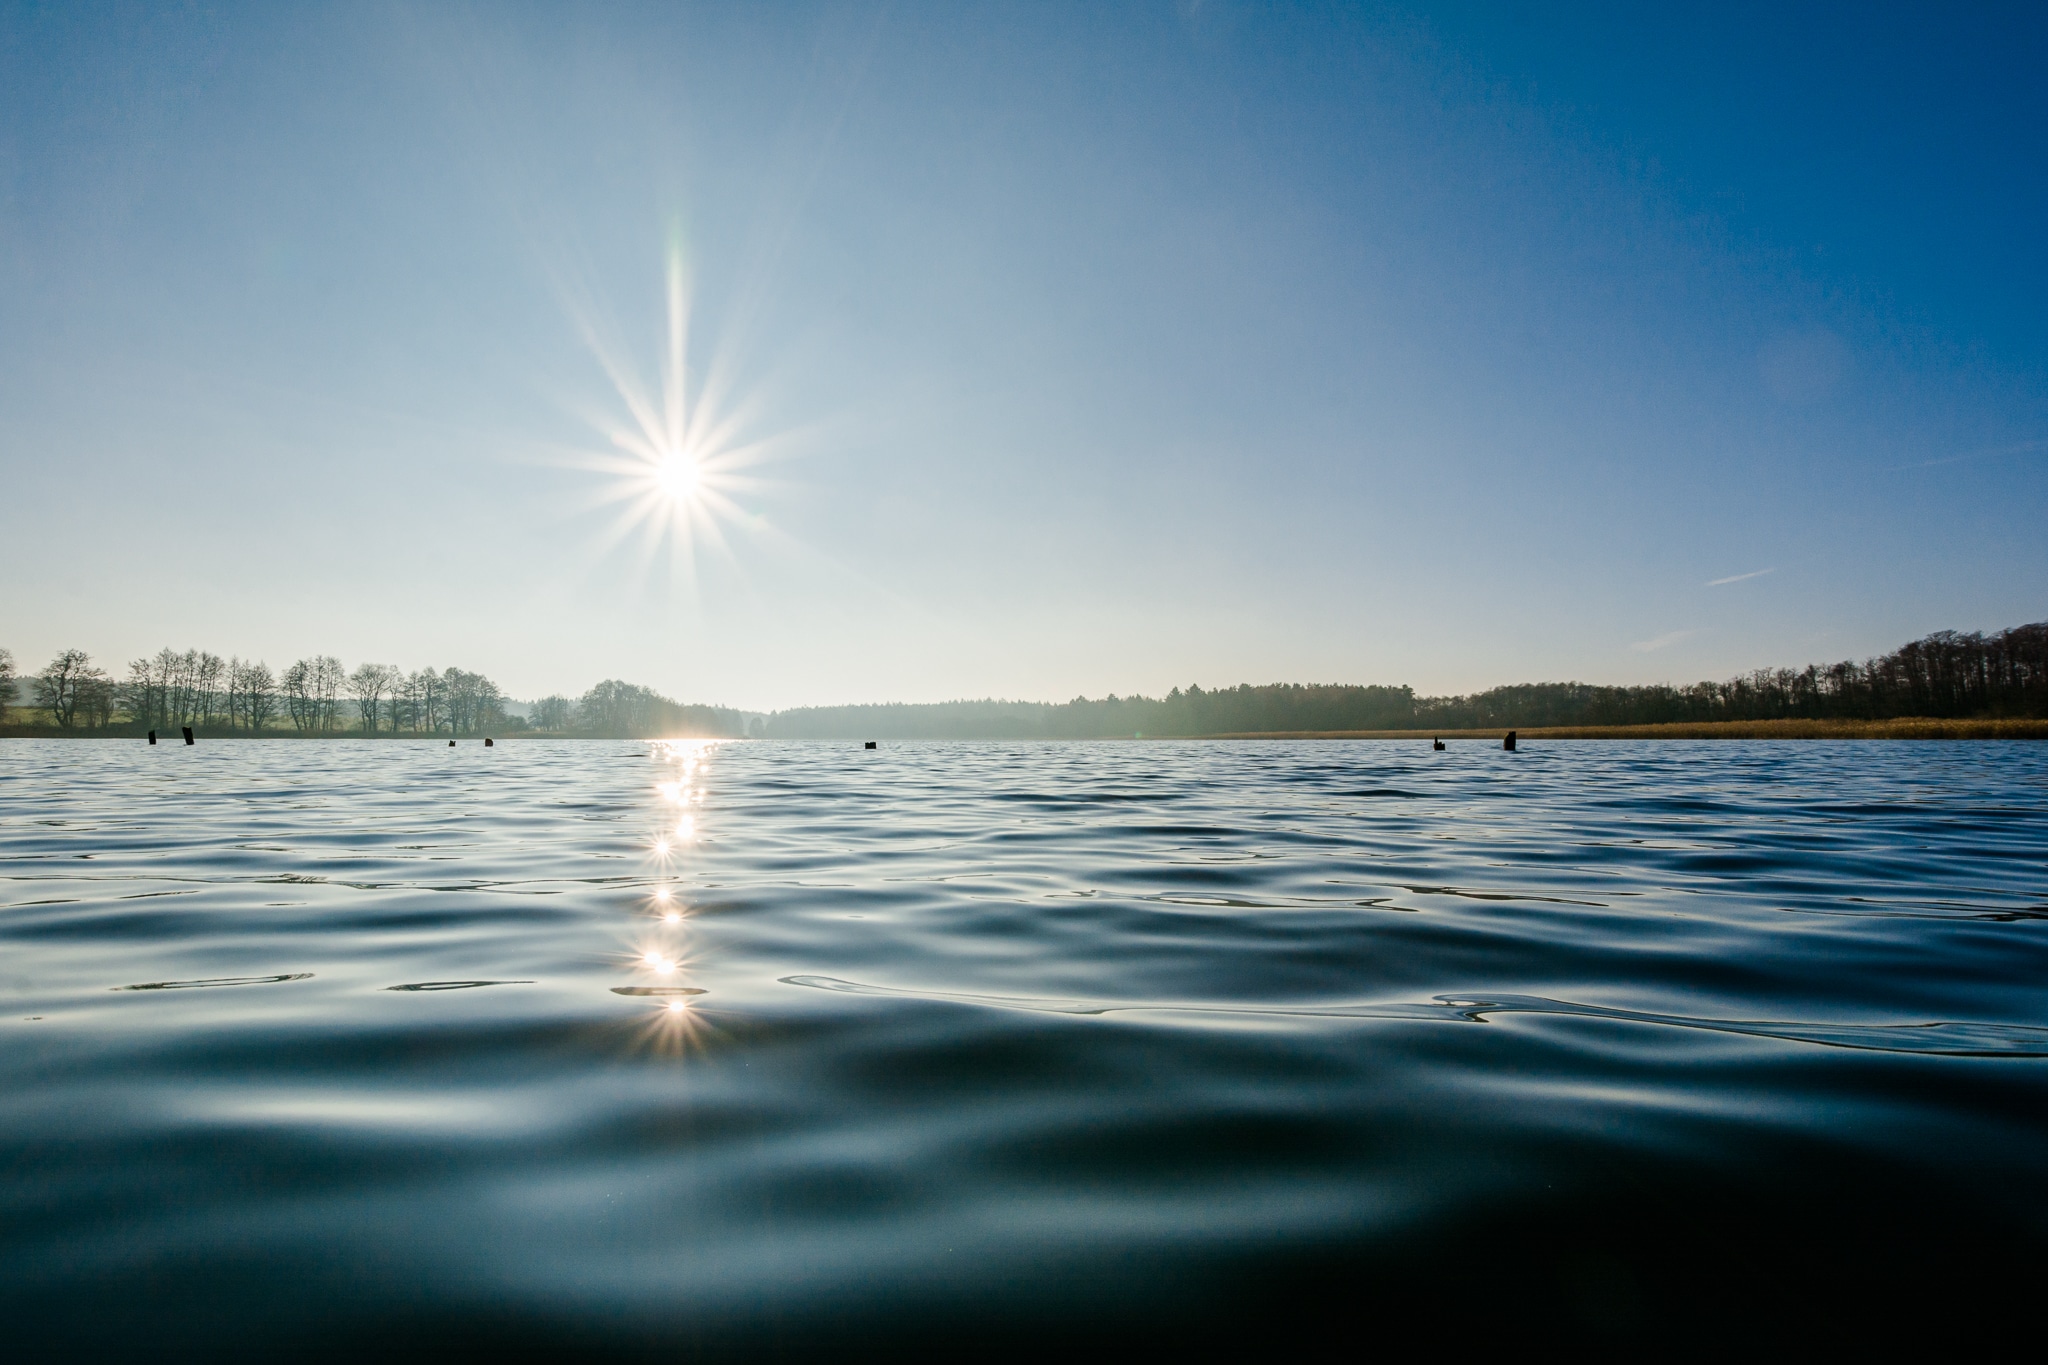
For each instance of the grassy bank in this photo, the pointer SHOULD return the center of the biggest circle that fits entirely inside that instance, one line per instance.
(1910, 727)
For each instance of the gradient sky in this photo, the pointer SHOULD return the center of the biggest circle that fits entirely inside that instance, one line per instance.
(1046, 350)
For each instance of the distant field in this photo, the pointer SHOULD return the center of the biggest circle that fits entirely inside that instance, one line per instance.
(1905, 728)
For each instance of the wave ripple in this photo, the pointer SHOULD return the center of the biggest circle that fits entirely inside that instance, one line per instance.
(814, 1045)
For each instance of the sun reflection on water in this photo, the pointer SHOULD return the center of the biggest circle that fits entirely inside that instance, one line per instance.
(658, 963)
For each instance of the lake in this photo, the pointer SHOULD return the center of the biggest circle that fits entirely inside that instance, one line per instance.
(651, 1049)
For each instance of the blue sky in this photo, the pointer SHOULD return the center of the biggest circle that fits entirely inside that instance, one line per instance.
(1032, 351)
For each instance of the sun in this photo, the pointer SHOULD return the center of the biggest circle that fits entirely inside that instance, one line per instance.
(676, 475)
(682, 452)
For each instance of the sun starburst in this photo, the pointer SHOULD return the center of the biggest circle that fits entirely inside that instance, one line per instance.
(681, 458)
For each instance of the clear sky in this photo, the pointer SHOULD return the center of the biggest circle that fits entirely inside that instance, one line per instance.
(1031, 351)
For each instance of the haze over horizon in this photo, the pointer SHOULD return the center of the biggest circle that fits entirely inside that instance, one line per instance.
(845, 354)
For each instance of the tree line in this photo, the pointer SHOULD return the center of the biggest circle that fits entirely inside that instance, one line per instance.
(1242, 709)
(1946, 675)
(319, 696)
(622, 710)
(315, 696)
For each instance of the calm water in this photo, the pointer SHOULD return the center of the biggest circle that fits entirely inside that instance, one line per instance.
(315, 1046)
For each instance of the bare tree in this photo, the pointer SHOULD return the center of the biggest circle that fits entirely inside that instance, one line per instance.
(57, 688)
(175, 689)
(210, 676)
(231, 697)
(328, 677)
(235, 698)
(404, 702)
(184, 686)
(394, 679)
(620, 708)
(170, 676)
(98, 698)
(428, 700)
(367, 685)
(461, 691)
(259, 696)
(6, 683)
(141, 691)
(301, 702)
(475, 703)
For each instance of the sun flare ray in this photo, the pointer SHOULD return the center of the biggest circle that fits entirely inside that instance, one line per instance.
(677, 459)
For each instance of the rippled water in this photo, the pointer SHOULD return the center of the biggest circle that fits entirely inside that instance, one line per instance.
(615, 1047)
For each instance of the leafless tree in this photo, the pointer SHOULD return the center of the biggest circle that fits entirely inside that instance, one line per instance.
(472, 700)
(6, 683)
(394, 680)
(259, 696)
(98, 698)
(428, 700)
(301, 702)
(181, 671)
(57, 688)
(231, 699)
(404, 703)
(328, 678)
(170, 676)
(175, 689)
(141, 692)
(368, 685)
(210, 675)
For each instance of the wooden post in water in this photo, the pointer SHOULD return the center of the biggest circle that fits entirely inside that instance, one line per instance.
(869, 745)
(489, 742)
(152, 736)
(1509, 742)
(188, 734)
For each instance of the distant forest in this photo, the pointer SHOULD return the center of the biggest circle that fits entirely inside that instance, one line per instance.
(1947, 675)
(1944, 676)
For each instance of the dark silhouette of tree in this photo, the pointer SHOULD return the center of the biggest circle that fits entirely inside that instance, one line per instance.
(474, 702)
(627, 710)
(250, 695)
(1946, 675)
(58, 689)
(299, 685)
(259, 697)
(98, 699)
(368, 686)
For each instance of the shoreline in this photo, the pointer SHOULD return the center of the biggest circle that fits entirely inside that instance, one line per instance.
(1913, 727)
(1908, 727)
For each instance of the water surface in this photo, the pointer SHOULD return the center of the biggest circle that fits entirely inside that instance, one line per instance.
(585, 1047)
